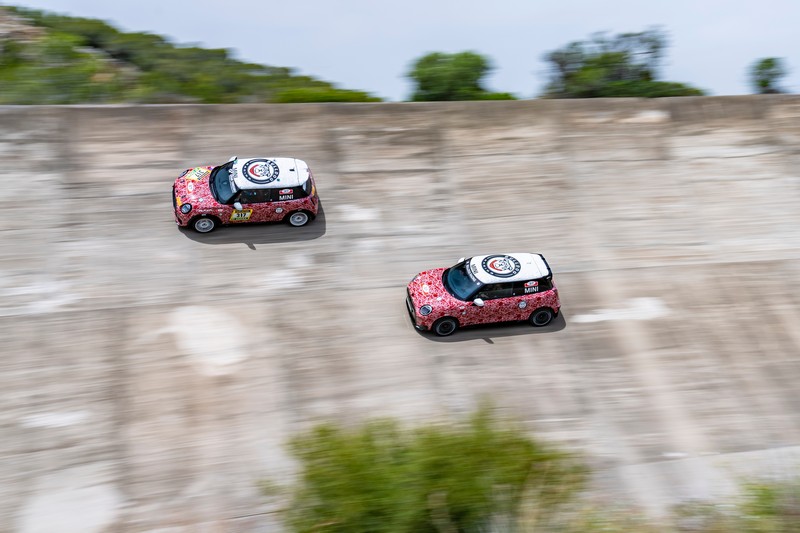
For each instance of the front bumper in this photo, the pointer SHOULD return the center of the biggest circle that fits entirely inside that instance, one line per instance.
(180, 218)
(411, 313)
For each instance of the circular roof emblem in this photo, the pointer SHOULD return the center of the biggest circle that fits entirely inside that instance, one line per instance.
(502, 266)
(261, 171)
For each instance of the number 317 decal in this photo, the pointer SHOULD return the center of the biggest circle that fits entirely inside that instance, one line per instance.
(239, 216)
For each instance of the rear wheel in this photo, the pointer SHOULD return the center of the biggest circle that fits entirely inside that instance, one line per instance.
(204, 224)
(298, 218)
(445, 326)
(541, 317)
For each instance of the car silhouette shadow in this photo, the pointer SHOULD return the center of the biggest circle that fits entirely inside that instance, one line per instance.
(261, 233)
(487, 332)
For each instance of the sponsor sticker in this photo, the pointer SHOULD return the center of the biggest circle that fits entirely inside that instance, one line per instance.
(197, 174)
(471, 271)
(531, 287)
(239, 216)
(261, 171)
(501, 266)
(190, 186)
(286, 191)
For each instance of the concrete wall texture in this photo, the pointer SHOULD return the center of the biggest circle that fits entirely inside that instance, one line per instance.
(150, 377)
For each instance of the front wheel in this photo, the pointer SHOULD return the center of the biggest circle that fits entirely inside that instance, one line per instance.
(204, 224)
(541, 317)
(445, 326)
(298, 218)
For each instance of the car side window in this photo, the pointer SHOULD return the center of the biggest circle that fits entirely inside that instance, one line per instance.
(523, 288)
(254, 196)
(494, 291)
(291, 193)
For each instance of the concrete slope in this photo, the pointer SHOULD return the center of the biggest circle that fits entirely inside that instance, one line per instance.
(151, 376)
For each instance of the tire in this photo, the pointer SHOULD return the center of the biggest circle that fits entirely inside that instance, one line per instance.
(541, 317)
(445, 326)
(204, 224)
(298, 218)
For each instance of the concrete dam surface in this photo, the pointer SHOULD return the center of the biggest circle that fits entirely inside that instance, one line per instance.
(152, 376)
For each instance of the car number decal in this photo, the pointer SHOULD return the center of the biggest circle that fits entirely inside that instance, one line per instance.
(239, 216)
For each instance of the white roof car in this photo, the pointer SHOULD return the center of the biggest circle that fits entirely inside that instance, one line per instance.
(269, 172)
(508, 267)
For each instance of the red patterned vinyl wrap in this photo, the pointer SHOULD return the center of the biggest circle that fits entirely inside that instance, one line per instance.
(427, 288)
(192, 188)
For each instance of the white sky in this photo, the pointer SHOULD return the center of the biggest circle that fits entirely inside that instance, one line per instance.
(369, 45)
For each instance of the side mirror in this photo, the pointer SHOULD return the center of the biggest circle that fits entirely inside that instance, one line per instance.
(234, 158)
(478, 302)
(237, 205)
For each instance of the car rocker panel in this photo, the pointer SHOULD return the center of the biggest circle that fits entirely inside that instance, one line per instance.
(482, 290)
(257, 189)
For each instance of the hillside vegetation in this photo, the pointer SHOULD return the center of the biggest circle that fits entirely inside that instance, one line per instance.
(46, 58)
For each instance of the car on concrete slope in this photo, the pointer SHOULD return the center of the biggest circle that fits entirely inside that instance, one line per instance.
(483, 290)
(244, 190)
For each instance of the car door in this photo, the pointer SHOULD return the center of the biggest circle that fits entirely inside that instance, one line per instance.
(498, 305)
(255, 206)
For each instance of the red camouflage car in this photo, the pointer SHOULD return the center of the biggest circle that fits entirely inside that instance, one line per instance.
(482, 290)
(258, 189)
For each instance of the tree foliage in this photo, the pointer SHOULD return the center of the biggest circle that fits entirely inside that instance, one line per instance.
(624, 65)
(444, 77)
(80, 60)
(381, 478)
(766, 73)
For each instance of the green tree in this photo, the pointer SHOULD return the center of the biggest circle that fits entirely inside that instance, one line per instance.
(624, 65)
(381, 478)
(321, 94)
(443, 77)
(77, 60)
(766, 73)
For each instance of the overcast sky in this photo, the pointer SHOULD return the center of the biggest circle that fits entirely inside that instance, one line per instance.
(369, 45)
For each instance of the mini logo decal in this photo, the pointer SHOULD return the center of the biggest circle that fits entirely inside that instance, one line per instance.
(190, 186)
(502, 266)
(285, 191)
(261, 171)
(523, 304)
(532, 284)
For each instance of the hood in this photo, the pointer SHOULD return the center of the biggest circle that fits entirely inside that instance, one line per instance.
(192, 186)
(427, 288)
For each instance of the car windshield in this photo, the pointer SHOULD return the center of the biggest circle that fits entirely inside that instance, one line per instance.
(460, 282)
(221, 183)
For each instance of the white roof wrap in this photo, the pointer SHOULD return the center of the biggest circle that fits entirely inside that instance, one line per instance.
(497, 268)
(269, 172)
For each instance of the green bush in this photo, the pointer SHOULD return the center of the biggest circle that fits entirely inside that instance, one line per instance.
(301, 95)
(382, 478)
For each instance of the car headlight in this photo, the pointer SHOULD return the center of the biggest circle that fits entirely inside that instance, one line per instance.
(185, 208)
(425, 310)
